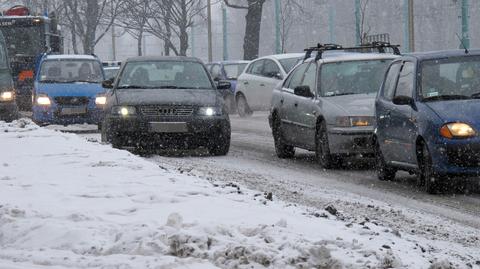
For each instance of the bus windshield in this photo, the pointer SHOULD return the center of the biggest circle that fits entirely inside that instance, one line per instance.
(25, 40)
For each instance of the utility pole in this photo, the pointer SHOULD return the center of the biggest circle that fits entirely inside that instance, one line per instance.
(192, 39)
(331, 23)
(408, 26)
(278, 46)
(114, 49)
(209, 23)
(357, 22)
(225, 33)
(465, 24)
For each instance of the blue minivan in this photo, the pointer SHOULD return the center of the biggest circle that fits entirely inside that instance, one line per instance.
(68, 90)
(427, 115)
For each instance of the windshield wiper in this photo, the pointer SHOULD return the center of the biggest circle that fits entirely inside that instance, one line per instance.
(475, 95)
(50, 81)
(175, 87)
(78, 80)
(446, 97)
(131, 87)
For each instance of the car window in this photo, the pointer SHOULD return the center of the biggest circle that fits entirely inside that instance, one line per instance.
(289, 63)
(164, 74)
(271, 69)
(310, 76)
(216, 71)
(405, 80)
(297, 76)
(352, 77)
(70, 70)
(391, 81)
(256, 68)
(234, 70)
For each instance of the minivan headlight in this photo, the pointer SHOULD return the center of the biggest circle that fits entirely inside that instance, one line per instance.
(124, 110)
(457, 130)
(354, 121)
(7, 96)
(43, 100)
(100, 100)
(209, 111)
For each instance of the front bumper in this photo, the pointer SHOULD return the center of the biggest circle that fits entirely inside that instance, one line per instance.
(52, 115)
(459, 157)
(350, 141)
(8, 110)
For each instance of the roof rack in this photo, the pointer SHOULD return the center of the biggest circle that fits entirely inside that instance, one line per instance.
(380, 46)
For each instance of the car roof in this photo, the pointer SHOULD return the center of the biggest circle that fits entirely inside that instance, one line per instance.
(283, 56)
(111, 67)
(70, 56)
(353, 56)
(164, 58)
(231, 62)
(442, 54)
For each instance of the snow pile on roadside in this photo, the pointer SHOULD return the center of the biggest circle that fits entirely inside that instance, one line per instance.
(69, 203)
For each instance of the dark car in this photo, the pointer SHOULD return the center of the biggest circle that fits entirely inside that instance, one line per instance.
(8, 105)
(228, 70)
(427, 115)
(166, 102)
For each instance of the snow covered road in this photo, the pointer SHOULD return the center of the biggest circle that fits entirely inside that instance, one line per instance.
(69, 203)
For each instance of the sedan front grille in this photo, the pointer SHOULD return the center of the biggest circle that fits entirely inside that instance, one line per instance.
(166, 111)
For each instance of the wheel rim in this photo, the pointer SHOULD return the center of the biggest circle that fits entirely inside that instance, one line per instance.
(427, 172)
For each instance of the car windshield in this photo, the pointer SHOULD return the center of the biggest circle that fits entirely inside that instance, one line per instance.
(71, 70)
(289, 63)
(352, 77)
(110, 72)
(450, 78)
(164, 74)
(234, 70)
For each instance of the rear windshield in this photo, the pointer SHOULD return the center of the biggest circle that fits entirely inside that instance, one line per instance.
(234, 70)
(165, 74)
(352, 77)
(70, 70)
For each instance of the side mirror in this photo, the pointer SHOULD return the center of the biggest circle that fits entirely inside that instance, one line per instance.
(108, 84)
(223, 85)
(303, 91)
(403, 100)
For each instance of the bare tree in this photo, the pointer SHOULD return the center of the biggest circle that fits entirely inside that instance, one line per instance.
(135, 14)
(363, 25)
(251, 40)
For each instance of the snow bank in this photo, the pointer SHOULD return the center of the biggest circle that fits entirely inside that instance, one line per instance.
(69, 203)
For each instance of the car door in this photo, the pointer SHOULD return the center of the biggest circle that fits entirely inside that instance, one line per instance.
(288, 112)
(303, 110)
(402, 125)
(271, 76)
(250, 83)
(383, 110)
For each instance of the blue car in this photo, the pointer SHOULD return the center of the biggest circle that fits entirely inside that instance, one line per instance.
(68, 90)
(229, 71)
(427, 116)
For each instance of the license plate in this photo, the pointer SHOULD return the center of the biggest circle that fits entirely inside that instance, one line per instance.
(168, 127)
(73, 110)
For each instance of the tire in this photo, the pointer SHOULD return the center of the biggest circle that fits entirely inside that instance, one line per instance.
(431, 181)
(230, 104)
(384, 171)
(242, 107)
(220, 145)
(322, 149)
(107, 137)
(283, 150)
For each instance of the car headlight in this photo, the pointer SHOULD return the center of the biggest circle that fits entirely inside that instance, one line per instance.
(7, 96)
(354, 121)
(209, 111)
(100, 100)
(124, 110)
(43, 100)
(457, 130)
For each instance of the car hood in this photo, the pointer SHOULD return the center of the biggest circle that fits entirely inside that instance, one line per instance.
(70, 89)
(355, 104)
(166, 96)
(457, 110)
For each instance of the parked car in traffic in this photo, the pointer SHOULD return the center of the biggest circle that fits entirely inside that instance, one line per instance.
(326, 105)
(229, 71)
(110, 68)
(8, 104)
(68, 90)
(166, 102)
(427, 114)
(256, 83)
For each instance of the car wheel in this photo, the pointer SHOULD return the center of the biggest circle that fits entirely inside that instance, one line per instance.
(384, 171)
(430, 180)
(283, 150)
(220, 145)
(322, 149)
(242, 107)
(107, 137)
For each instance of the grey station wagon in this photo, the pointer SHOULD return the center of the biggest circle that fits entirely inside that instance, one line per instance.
(326, 105)
(166, 102)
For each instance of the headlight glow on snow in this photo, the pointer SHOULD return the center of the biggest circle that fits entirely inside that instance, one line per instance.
(457, 130)
(6, 96)
(43, 100)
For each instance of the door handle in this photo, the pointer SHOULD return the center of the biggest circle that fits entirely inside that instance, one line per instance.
(281, 101)
(262, 85)
(385, 116)
(296, 104)
(245, 83)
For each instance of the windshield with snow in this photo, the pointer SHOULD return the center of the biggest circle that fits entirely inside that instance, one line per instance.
(352, 77)
(450, 78)
(234, 70)
(70, 70)
(164, 75)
